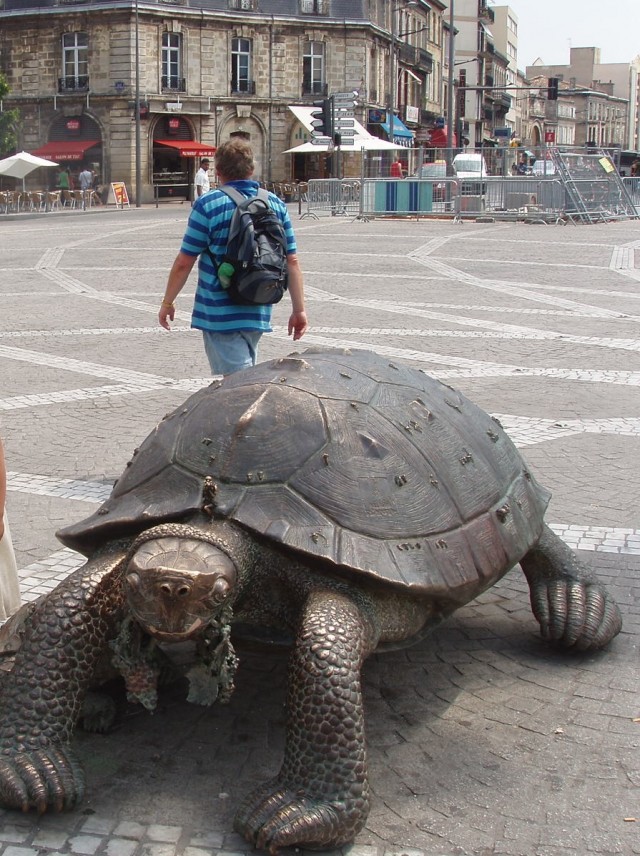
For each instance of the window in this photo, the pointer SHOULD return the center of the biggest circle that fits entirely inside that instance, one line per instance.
(241, 66)
(248, 5)
(313, 69)
(314, 7)
(75, 62)
(172, 62)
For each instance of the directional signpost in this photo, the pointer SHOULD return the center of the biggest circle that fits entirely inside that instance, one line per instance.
(344, 117)
(333, 123)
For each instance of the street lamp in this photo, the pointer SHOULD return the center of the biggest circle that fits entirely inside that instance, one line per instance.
(137, 110)
(450, 88)
(393, 83)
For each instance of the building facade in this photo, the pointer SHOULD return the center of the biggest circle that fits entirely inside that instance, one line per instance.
(202, 71)
(607, 97)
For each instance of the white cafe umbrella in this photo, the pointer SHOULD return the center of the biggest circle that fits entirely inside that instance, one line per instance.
(20, 165)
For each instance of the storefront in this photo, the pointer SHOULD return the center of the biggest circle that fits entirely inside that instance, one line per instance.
(176, 158)
(75, 142)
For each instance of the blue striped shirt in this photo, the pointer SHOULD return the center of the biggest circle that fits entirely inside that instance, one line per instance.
(208, 226)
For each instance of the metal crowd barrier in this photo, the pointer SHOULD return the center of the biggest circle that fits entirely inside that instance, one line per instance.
(503, 198)
(632, 186)
(332, 196)
(410, 197)
(524, 197)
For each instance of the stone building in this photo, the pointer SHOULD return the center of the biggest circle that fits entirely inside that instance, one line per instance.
(607, 97)
(205, 70)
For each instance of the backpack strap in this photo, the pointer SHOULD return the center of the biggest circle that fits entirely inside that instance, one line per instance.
(232, 193)
(238, 197)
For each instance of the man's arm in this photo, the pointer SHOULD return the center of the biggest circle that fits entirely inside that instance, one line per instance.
(298, 324)
(178, 276)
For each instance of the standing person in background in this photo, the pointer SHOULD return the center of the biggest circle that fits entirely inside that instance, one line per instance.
(202, 184)
(63, 178)
(9, 587)
(86, 179)
(231, 331)
(396, 170)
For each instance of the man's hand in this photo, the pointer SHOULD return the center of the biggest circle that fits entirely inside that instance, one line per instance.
(167, 313)
(298, 325)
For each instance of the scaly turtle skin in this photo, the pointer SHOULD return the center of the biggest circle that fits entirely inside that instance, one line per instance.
(336, 496)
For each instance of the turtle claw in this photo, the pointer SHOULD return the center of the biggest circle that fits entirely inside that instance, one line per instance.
(273, 817)
(575, 613)
(40, 779)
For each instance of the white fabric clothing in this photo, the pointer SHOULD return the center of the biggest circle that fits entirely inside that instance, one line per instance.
(202, 180)
(86, 179)
(9, 586)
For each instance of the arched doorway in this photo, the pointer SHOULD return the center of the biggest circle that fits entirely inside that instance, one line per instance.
(75, 142)
(176, 157)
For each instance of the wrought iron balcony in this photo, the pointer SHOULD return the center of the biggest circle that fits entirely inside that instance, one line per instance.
(174, 84)
(407, 53)
(314, 88)
(424, 61)
(248, 87)
(74, 84)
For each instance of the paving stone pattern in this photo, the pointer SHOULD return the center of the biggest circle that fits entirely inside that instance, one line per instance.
(482, 740)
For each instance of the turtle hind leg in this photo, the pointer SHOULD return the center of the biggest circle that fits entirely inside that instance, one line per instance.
(572, 607)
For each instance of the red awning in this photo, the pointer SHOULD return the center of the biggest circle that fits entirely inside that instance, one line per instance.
(71, 150)
(188, 148)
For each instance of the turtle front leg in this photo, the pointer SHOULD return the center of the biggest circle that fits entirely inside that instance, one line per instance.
(320, 799)
(572, 607)
(41, 698)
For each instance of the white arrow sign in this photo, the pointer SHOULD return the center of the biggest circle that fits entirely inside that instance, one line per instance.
(320, 141)
(344, 123)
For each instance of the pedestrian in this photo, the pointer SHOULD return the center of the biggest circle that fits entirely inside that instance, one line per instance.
(231, 331)
(201, 183)
(635, 168)
(63, 178)
(9, 587)
(86, 179)
(397, 169)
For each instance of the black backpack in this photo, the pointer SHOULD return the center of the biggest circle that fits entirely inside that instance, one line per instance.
(254, 267)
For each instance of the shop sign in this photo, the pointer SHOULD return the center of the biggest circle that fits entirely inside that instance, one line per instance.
(73, 125)
(376, 116)
(412, 114)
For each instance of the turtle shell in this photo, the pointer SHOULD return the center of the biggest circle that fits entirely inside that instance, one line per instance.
(347, 457)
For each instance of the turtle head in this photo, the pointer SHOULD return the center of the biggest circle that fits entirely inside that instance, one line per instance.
(177, 582)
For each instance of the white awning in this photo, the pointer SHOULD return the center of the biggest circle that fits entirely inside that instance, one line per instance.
(363, 139)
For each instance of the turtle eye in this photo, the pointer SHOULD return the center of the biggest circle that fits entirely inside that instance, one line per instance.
(220, 590)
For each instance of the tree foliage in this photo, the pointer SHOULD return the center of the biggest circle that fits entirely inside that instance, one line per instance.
(8, 122)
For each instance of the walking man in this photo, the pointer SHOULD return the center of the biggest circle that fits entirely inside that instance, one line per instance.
(231, 331)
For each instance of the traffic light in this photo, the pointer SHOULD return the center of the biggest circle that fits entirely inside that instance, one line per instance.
(552, 90)
(322, 119)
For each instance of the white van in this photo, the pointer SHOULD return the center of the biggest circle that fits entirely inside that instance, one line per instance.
(469, 165)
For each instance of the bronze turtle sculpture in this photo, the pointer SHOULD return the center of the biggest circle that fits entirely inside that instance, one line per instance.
(336, 495)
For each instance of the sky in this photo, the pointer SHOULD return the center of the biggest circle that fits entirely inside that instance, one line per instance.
(549, 28)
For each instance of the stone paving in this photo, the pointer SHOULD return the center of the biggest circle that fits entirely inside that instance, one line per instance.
(482, 741)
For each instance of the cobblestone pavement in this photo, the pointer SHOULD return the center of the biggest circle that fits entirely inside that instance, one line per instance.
(482, 741)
